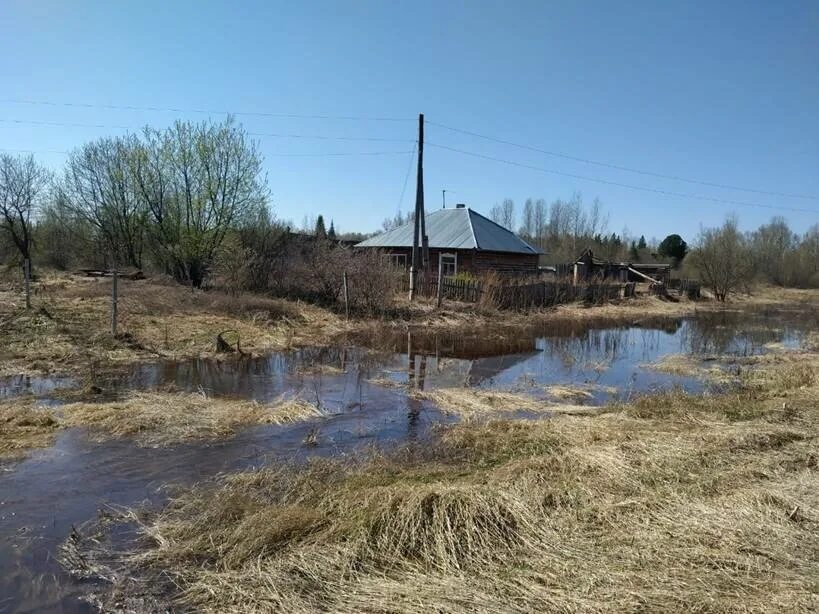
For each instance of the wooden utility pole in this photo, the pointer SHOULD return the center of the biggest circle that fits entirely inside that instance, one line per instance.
(420, 243)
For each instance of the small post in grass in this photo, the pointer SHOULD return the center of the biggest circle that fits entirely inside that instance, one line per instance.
(114, 294)
(440, 290)
(412, 283)
(346, 297)
(27, 275)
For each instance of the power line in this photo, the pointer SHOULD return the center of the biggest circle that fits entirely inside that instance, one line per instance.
(205, 111)
(258, 134)
(624, 168)
(623, 185)
(406, 177)
(287, 154)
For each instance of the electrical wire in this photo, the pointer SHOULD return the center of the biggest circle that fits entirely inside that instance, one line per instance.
(623, 168)
(622, 185)
(258, 134)
(205, 111)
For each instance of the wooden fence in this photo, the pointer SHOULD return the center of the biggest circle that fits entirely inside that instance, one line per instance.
(521, 295)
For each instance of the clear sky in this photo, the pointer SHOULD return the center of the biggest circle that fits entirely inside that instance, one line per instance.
(719, 92)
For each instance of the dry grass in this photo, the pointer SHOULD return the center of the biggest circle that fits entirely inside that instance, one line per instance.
(578, 392)
(157, 418)
(673, 503)
(472, 403)
(23, 427)
(687, 365)
(69, 327)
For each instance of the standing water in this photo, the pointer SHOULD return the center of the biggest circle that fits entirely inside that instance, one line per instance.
(54, 489)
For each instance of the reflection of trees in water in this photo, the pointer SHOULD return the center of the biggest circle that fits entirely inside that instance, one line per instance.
(600, 345)
(732, 333)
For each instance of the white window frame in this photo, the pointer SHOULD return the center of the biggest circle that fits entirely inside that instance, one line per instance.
(399, 261)
(454, 264)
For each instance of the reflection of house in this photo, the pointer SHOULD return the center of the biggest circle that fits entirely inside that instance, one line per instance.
(483, 369)
(481, 361)
(461, 240)
(588, 267)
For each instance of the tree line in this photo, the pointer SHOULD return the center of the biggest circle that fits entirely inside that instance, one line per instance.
(168, 196)
(192, 198)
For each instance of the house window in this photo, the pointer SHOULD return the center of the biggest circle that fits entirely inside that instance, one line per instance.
(399, 261)
(448, 264)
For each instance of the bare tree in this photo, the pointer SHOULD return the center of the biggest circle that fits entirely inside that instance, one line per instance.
(723, 259)
(23, 182)
(527, 223)
(99, 186)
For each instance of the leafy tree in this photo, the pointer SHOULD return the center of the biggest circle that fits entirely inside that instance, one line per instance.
(673, 247)
(320, 231)
(198, 181)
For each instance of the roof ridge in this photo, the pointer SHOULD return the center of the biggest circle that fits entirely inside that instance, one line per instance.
(471, 227)
(509, 230)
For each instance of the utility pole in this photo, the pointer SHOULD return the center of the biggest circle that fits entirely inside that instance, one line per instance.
(443, 192)
(420, 242)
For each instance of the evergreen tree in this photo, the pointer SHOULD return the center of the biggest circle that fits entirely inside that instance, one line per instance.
(642, 243)
(320, 231)
(633, 252)
(331, 234)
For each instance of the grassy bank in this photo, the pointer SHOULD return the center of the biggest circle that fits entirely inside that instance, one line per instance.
(69, 328)
(68, 331)
(671, 503)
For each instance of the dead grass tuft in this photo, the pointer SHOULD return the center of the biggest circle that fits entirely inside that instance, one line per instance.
(156, 418)
(470, 403)
(24, 426)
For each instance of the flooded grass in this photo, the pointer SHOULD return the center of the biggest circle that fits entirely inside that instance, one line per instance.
(486, 502)
(470, 404)
(155, 418)
(676, 502)
(686, 365)
(23, 427)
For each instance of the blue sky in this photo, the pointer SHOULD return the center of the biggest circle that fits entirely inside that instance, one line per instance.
(722, 92)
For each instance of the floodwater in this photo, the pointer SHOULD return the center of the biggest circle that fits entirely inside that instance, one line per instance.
(54, 489)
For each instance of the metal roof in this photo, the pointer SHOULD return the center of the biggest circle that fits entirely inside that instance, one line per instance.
(459, 228)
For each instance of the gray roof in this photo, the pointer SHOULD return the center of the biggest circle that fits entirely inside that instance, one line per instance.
(460, 228)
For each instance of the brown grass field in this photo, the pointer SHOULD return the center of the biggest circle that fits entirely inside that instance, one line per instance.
(671, 503)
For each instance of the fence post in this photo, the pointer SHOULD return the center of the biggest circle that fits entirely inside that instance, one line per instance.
(114, 293)
(440, 290)
(412, 283)
(346, 298)
(27, 275)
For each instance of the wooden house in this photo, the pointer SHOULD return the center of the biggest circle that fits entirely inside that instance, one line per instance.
(460, 240)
